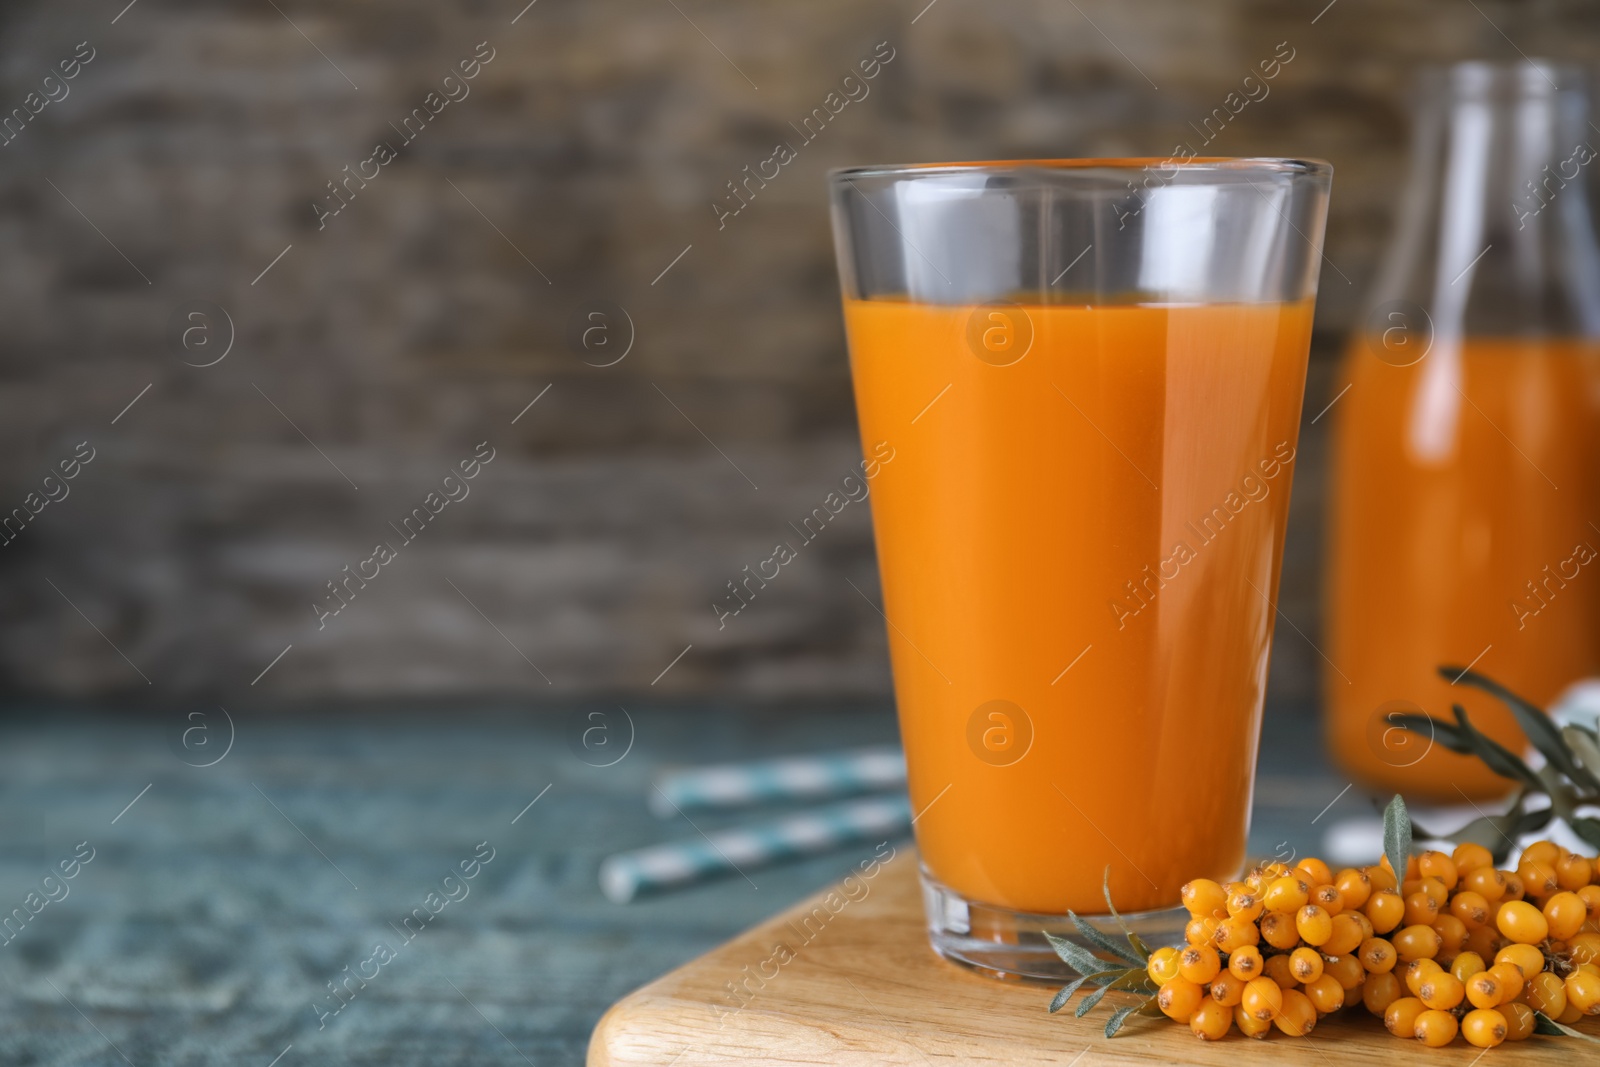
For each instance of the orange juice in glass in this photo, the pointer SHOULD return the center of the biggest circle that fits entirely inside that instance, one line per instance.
(1090, 374)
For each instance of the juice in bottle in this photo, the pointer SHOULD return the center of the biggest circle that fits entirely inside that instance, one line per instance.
(1466, 489)
(1079, 549)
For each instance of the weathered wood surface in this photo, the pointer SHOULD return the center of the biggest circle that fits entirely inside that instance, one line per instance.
(206, 926)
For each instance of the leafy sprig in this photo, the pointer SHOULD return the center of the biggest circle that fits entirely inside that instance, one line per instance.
(1570, 777)
(1125, 972)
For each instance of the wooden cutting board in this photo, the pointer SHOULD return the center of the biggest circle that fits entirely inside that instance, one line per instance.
(855, 984)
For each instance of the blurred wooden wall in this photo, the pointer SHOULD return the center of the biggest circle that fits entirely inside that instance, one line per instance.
(578, 163)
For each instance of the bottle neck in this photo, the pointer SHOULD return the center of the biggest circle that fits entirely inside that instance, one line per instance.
(1496, 235)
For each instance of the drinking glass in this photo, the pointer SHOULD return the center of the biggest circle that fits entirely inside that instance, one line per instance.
(1465, 488)
(1079, 385)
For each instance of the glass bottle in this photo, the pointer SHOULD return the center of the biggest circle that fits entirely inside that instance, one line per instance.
(1466, 480)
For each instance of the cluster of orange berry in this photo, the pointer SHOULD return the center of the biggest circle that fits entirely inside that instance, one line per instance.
(1456, 947)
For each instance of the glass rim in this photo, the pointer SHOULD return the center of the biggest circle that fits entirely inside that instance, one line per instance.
(1293, 166)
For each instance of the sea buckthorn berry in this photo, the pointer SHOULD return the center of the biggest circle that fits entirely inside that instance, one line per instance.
(1162, 965)
(1203, 898)
(1366, 923)
(1583, 991)
(1326, 897)
(1249, 1025)
(1522, 923)
(1314, 924)
(1414, 973)
(1438, 865)
(1538, 878)
(1178, 998)
(1590, 895)
(1325, 994)
(1569, 1015)
(1245, 963)
(1515, 890)
(1277, 969)
(1435, 1028)
(1278, 930)
(1519, 1020)
(1346, 937)
(1416, 943)
(1305, 964)
(1236, 933)
(1401, 1016)
(1565, 913)
(1547, 993)
(1435, 889)
(1381, 877)
(1540, 852)
(1452, 934)
(1244, 904)
(1574, 872)
(1469, 857)
(1346, 970)
(1401, 876)
(1202, 930)
(1484, 1027)
(1467, 964)
(1470, 908)
(1483, 990)
(1226, 989)
(1211, 1022)
(1585, 948)
(1288, 893)
(1354, 887)
(1508, 976)
(1386, 909)
(1199, 964)
(1379, 991)
(1488, 883)
(1526, 958)
(1298, 1016)
(1421, 909)
(1262, 997)
(1316, 872)
(1443, 991)
(1377, 955)
(1485, 941)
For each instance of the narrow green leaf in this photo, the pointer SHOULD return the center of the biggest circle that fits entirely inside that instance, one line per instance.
(1397, 836)
(1496, 756)
(1151, 1008)
(1497, 833)
(1435, 729)
(1583, 746)
(1139, 946)
(1075, 955)
(1118, 1017)
(1104, 941)
(1543, 1024)
(1065, 994)
(1586, 828)
(1538, 727)
(1086, 1005)
(1133, 939)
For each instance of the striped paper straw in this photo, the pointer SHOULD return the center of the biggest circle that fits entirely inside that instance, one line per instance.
(629, 874)
(819, 777)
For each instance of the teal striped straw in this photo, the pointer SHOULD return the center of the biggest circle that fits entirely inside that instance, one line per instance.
(630, 874)
(795, 778)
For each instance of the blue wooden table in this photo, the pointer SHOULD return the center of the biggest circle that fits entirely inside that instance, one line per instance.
(227, 913)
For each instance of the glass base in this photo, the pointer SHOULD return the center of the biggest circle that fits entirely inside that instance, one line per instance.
(1008, 944)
